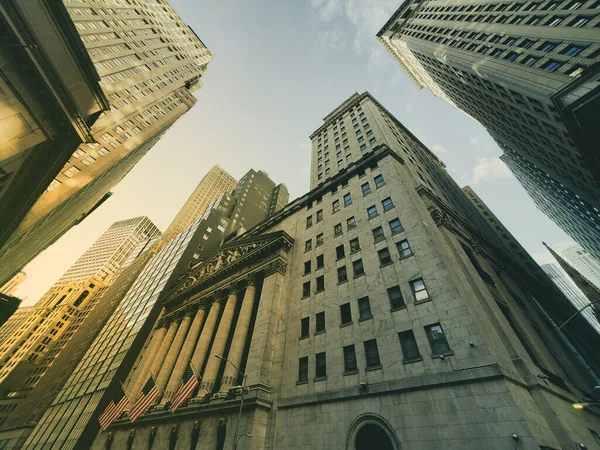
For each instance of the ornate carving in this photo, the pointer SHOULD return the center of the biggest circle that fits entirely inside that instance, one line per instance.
(439, 218)
(277, 266)
(162, 323)
(191, 310)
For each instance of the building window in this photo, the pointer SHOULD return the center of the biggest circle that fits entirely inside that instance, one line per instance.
(364, 309)
(511, 56)
(419, 289)
(306, 289)
(350, 359)
(573, 50)
(354, 245)
(379, 181)
(309, 222)
(321, 365)
(319, 215)
(339, 252)
(366, 189)
(319, 239)
(552, 66)
(320, 261)
(387, 204)
(347, 199)
(342, 274)
(346, 313)
(384, 256)
(303, 369)
(547, 46)
(320, 283)
(372, 212)
(305, 327)
(372, 354)
(404, 248)
(530, 61)
(335, 206)
(320, 322)
(307, 267)
(395, 297)
(527, 43)
(378, 234)
(396, 226)
(363, 147)
(410, 350)
(579, 21)
(337, 230)
(308, 246)
(437, 339)
(71, 171)
(358, 268)
(351, 223)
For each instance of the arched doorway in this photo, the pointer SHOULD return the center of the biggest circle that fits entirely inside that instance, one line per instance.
(371, 436)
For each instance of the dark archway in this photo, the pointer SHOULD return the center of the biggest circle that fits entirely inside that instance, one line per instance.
(371, 436)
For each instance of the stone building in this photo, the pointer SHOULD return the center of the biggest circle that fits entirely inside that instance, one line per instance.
(377, 311)
(528, 72)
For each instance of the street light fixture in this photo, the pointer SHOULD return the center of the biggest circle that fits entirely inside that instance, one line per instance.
(582, 405)
(579, 311)
(237, 423)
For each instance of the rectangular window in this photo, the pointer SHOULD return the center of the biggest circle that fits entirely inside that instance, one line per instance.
(320, 262)
(320, 283)
(319, 215)
(372, 354)
(350, 359)
(387, 204)
(307, 267)
(306, 289)
(396, 226)
(319, 239)
(410, 350)
(347, 199)
(339, 252)
(335, 206)
(309, 222)
(346, 313)
(573, 50)
(321, 365)
(364, 308)
(351, 223)
(354, 245)
(366, 189)
(437, 339)
(579, 21)
(320, 322)
(378, 234)
(342, 274)
(358, 268)
(404, 248)
(527, 43)
(305, 327)
(337, 230)
(372, 212)
(419, 289)
(547, 46)
(552, 66)
(530, 60)
(384, 256)
(395, 296)
(379, 181)
(303, 369)
(308, 245)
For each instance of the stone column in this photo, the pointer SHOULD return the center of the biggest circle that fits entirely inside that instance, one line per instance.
(213, 364)
(186, 352)
(143, 369)
(240, 335)
(163, 350)
(171, 358)
(207, 334)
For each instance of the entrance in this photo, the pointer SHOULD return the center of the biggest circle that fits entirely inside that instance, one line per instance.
(372, 437)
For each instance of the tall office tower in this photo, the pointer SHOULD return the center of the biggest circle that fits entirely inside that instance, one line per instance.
(571, 291)
(8, 306)
(11, 285)
(149, 64)
(528, 72)
(72, 296)
(214, 184)
(332, 317)
(586, 264)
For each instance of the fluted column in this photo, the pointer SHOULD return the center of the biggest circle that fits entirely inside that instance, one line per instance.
(144, 367)
(207, 333)
(186, 351)
(171, 358)
(162, 351)
(212, 364)
(240, 335)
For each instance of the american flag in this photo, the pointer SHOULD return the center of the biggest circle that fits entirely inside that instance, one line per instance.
(188, 385)
(145, 399)
(112, 412)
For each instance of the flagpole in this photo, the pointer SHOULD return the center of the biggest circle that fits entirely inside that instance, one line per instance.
(162, 392)
(127, 394)
(195, 371)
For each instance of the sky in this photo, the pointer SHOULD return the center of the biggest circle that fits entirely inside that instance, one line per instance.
(279, 67)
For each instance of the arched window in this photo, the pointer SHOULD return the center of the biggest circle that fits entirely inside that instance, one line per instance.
(81, 298)
(370, 431)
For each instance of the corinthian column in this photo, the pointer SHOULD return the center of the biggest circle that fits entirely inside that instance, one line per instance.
(163, 350)
(240, 335)
(212, 365)
(186, 352)
(143, 369)
(206, 335)
(171, 357)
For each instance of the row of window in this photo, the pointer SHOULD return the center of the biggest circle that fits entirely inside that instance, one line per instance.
(410, 351)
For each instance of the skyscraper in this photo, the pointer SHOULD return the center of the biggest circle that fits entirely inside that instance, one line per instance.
(71, 297)
(586, 264)
(12, 285)
(527, 71)
(214, 184)
(379, 310)
(149, 64)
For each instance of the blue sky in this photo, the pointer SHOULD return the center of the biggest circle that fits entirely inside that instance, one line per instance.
(279, 66)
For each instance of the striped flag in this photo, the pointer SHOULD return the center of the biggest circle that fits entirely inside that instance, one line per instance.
(188, 385)
(112, 412)
(145, 399)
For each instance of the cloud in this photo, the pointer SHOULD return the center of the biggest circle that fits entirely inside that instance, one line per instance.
(332, 39)
(475, 140)
(489, 169)
(438, 148)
